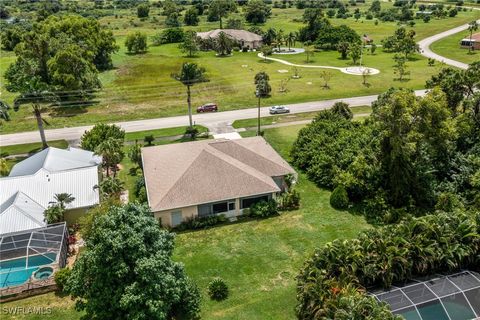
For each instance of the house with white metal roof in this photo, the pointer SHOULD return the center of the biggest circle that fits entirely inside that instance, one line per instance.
(32, 184)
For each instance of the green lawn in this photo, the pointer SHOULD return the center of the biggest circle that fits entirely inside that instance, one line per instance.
(283, 118)
(259, 259)
(160, 133)
(31, 148)
(140, 86)
(449, 47)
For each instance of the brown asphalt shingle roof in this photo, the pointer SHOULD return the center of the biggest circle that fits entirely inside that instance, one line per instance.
(185, 174)
(238, 35)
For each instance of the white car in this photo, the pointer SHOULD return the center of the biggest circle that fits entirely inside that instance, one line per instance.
(278, 109)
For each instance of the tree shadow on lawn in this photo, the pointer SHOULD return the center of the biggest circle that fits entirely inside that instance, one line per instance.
(72, 108)
(265, 61)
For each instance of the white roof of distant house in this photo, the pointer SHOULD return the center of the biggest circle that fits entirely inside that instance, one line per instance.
(55, 160)
(240, 35)
(192, 173)
(31, 186)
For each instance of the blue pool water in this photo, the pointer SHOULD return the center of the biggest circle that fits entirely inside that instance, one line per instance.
(14, 272)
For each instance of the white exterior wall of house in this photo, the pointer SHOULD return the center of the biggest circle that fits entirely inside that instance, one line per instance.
(165, 216)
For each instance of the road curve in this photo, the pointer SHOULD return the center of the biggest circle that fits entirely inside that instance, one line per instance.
(205, 119)
(427, 52)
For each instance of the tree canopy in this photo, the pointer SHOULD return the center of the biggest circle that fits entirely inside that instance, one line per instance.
(127, 271)
(63, 54)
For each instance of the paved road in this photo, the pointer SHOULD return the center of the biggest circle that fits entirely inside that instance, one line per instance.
(217, 121)
(427, 52)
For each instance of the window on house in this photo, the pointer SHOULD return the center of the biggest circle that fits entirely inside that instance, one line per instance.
(248, 202)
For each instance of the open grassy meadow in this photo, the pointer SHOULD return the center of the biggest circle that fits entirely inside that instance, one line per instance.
(259, 259)
(450, 47)
(140, 86)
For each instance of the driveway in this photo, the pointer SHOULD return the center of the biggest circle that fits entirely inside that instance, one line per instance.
(425, 46)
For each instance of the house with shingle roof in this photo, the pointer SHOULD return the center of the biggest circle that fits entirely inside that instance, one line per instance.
(202, 178)
(244, 38)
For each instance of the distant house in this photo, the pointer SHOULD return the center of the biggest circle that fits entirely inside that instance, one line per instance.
(32, 184)
(366, 39)
(244, 38)
(474, 42)
(202, 178)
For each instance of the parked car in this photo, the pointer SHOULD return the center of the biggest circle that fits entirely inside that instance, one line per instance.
(209, 107)
(278, 109)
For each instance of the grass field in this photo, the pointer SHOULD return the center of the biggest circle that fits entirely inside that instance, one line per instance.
(449, 47)
(140, 86)
(259, 259)
(30, 148)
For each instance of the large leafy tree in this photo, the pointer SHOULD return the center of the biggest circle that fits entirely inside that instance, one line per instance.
(127, 271)
(257, 11)
(189, 75)
(63, 54)
(99, 133)
(220, 9)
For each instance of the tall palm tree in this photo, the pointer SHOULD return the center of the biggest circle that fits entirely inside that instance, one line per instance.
(262, 90)
(63, 199)
(223, 44)
(112, 154)
(291, 37)
(39, 97)
(472, 26)
(190, 74)
(279, 38)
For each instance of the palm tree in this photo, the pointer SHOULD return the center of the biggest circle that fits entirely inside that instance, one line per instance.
(63, 199)
(112, 154)
(472, 26)
(291, 40)
(279, 37)
(309, 51)
(262, 90)
(190, 74)
(39, 97)
(223, 44)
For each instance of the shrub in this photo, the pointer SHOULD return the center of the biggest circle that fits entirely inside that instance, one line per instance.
(142, 10)
(264, 209)
(195, 223)
(191, 132)
(290, 200)
(136, 42)
(218, 289)
(170, 35)
(61, 278)
(149, 139)
(339, 198)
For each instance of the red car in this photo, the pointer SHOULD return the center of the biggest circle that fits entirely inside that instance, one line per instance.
(209, 107)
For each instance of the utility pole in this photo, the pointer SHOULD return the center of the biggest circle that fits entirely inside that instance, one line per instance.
(257, 93)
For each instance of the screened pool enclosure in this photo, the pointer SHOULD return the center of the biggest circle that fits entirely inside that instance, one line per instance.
(23, 253)
(447, 297)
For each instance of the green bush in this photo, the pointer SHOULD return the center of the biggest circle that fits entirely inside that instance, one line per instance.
(191, 132)
(170, 35)
(218, 289)
(149, 139)
(290, 200)
(339, 198)
(136, 42)
(195, 223)
(264, 209)
(61, 278)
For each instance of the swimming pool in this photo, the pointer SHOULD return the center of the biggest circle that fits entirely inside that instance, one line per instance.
(14, 272)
